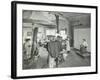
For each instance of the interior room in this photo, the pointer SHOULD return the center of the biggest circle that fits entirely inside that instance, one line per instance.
(39, 26)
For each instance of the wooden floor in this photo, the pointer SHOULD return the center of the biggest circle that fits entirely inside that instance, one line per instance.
(72, 60)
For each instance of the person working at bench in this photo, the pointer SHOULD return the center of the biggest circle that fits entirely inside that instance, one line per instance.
(83, 46)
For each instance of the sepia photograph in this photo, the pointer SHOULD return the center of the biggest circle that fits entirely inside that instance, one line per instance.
(53, 39)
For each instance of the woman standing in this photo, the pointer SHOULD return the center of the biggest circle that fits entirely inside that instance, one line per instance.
(68, 45)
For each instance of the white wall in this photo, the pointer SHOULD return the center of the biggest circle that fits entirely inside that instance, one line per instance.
(5, 40)
(79, 35)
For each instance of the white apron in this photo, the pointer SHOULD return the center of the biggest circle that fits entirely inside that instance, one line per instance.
(67, 45)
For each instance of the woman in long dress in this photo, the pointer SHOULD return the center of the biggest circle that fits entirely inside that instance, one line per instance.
(68, 45)
(27, 49)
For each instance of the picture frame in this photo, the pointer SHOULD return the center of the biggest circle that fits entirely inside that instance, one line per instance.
(18, 8)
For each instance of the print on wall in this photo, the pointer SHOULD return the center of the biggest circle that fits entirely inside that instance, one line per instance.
(53, 39)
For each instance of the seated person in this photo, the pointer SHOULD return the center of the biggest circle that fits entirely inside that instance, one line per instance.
(83, 46)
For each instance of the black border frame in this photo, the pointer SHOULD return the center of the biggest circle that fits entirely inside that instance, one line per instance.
(14, 38)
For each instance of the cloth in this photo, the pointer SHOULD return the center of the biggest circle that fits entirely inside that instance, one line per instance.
(54, 48)
(83, 47)
(67, 45)
(64, 54)
(52, 62)
(27, 50)
(85, 44)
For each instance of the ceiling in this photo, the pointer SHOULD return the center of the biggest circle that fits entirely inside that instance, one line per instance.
(48, 18)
